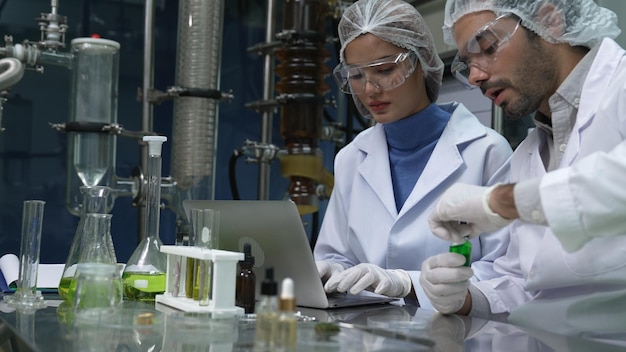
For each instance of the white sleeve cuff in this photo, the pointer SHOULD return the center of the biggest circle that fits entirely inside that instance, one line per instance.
(528, 202)
(558, 202)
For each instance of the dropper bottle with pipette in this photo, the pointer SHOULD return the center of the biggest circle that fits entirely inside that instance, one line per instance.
(145, 272)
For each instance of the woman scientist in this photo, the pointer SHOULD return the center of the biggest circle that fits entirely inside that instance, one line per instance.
(375, 232)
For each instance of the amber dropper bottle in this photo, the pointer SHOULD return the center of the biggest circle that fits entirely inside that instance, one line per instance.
(246, 281)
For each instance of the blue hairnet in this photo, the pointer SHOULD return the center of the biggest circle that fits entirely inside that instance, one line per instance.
(586, 23)
(399, 23)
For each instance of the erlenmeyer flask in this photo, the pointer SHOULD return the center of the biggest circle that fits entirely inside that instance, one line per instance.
(144, 275)
(95, 200)
(94, 248)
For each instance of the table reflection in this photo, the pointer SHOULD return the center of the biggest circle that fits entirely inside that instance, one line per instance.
(143, 327)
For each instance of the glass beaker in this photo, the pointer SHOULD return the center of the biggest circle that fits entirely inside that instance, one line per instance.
(94, 248)
(96, 292)
(96, 199)
(144, 275)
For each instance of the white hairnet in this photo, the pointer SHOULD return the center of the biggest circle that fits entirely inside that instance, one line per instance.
(399, 23)
(586, 23)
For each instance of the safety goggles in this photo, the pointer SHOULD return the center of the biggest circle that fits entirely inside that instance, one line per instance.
(483, 47)
(385, 73)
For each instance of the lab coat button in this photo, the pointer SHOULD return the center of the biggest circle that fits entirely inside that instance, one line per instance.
(562, 147)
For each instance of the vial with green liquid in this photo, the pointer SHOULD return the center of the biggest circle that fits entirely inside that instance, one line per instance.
(465, 249)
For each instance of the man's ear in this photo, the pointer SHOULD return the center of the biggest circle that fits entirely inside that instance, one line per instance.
(551, 19)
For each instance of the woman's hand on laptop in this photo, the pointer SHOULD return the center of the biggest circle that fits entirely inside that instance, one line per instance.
(327, 269)
(366, 276)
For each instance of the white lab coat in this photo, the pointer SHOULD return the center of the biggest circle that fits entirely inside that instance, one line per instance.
(361, 223)
(583, 292)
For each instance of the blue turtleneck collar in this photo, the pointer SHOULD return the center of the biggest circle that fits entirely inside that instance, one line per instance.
(417, 130)
(411, 141)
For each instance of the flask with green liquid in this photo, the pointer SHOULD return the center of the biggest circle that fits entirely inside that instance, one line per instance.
(96, 200)
(145, 272)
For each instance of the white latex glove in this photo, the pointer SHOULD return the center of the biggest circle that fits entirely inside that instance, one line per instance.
(366, 276)
(463, 210)
(445, 281)
(327, 269)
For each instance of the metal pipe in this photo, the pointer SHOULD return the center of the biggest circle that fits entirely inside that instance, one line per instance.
(146, 106)
(268, 93)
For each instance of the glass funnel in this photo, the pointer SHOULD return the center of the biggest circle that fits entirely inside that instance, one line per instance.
(145, 272)
(93, 248)
(96, 200)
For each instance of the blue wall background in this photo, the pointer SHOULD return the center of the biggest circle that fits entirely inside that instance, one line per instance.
(33, 155)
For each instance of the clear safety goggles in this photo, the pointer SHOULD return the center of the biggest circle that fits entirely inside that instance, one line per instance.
(385, 74)
(483, 47)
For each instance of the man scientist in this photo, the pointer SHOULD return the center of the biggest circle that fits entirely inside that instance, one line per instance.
(564, 270)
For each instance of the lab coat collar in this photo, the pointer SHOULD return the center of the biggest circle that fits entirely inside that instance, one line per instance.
(446, 158)
(607, 60)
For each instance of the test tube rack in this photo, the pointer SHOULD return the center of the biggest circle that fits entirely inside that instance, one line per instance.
(223, 280)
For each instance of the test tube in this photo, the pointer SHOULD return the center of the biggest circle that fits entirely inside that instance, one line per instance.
(205, 224)
(32, 219)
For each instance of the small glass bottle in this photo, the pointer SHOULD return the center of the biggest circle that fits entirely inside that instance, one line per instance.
(465, 249)
(266, 313)
(144, 275)
(246, 281)
(287, 324)
(95, 200)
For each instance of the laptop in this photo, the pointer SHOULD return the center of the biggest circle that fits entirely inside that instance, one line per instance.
(276, 234)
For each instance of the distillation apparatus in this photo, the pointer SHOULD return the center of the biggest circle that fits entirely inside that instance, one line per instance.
(196, 101)
(92, 126)
(301, 53)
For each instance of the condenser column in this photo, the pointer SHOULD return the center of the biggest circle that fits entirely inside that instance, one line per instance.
(301, 87)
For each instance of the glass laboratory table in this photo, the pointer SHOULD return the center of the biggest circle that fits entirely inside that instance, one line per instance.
(146, 327)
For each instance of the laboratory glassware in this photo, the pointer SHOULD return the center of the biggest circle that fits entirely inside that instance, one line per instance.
(465, 249)
(246, 281)
(267, 313)
(96, 200)
(190, 268)
(287, 323)
(145, 273)
(96, 291)
(26, 295)
(93, 248)
(205, 226)
(93, 107)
